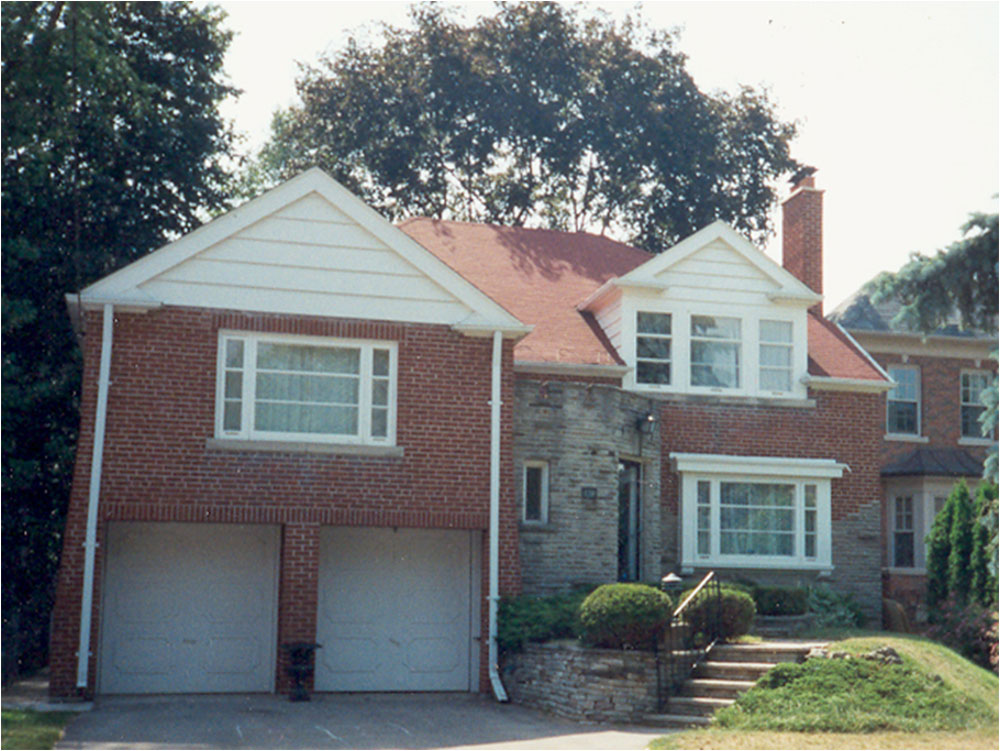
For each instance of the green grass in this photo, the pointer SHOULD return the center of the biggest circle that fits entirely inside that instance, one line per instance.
(25, 728)
(936, 698)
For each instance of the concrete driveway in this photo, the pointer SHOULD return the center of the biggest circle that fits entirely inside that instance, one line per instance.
(335, 721)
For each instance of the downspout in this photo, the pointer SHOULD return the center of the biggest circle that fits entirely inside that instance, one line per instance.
(494, 596)
(96, 460)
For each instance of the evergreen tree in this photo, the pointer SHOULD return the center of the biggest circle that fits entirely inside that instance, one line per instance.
(960, 543)
(983, 575)
(938, 551)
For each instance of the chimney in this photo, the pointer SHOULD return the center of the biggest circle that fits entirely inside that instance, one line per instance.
(802, 234)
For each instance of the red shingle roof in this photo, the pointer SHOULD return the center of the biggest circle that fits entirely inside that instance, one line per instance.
(542, 275)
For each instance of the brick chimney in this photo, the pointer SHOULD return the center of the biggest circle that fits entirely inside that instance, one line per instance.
(802, 235)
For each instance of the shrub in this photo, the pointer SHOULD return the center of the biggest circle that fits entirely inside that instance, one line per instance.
(533, 618)
(834, 609)
(971, 630)
(737, 611)
(624, 615)
(780, 600)
(960, 542)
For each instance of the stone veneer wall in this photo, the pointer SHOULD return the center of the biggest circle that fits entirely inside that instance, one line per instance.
(599, 685)
(582, 430)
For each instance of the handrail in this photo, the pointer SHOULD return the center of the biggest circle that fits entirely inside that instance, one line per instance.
(694, 593)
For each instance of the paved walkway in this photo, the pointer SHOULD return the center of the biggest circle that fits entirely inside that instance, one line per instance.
(33, 693)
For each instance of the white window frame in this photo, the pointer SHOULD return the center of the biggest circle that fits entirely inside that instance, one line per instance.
(962, 404)
(716, 469)
(543, 505)
(916, 502)
(789, 346)
(925, 493)
(919, 400)
(248, 432)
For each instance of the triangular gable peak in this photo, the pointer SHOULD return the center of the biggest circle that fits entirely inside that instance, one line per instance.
(310, 247)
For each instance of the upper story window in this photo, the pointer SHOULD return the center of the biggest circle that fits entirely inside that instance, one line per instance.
(973, 385)
(652, 345)
(775, 356)
(273, 387)
(903, 401)
(536, 492)
(715, 351)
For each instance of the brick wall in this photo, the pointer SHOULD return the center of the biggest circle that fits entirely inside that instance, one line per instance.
(157, 466)
(581, 430)
(802, 236)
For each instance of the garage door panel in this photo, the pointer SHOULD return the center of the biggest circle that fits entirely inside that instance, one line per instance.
(394, 610)
(189, 608)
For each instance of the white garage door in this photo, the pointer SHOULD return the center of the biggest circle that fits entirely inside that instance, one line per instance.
(395, 610)
(189, 608)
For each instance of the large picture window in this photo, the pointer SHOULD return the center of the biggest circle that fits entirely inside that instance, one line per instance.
(903, 402)
(756, 511)
(304, 389)
(715, 351)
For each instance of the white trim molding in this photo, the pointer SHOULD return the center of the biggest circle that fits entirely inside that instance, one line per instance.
(862, 385)
(758, 465)
(570, 369)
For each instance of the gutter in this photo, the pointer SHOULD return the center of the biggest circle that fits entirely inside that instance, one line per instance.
(96, 462)
(494, 563)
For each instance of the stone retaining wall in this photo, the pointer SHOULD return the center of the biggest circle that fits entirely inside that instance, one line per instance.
(597, 685)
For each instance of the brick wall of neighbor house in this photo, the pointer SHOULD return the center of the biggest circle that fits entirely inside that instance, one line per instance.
(157, 466)
(582, 430)
(842, 426)
(940, 402)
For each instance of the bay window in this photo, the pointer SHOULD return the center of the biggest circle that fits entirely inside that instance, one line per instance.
(273, 387)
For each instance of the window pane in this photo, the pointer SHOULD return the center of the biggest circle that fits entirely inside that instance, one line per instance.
(231, 415)
(308, 359)
(653, 323)
(655, 348)
(234, 353)
(810, 521)
(903, 547)
(971, 427)
(533, 494)
(652, 372)
(715, 327)
(380, 392)
(715, 364)
(810, 496)
(704, 543)
(776, 331)
(704, 492)
(906, 384)
(810, 546)
(775, 356)
(775, 380)
(902, 417)
(299, 418)
(380, 422)
(234, 384)
(380, 362)
(305, 388)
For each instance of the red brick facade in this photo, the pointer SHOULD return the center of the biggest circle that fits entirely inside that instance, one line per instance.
(802, 236)
(158, 466)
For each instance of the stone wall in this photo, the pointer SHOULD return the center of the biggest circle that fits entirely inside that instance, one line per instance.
(597, 685)
(582, 430)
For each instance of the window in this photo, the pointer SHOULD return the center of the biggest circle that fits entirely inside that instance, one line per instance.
(903, 402)
(304, 389)
(652, 346)
(764, 512)
(973, 385)
(903, 535)
(536, 492)
(715, 352)
(775, 356)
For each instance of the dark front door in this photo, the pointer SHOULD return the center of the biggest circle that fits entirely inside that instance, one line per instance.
(629, 528)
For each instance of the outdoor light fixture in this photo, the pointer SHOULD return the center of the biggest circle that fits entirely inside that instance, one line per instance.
(645, 423)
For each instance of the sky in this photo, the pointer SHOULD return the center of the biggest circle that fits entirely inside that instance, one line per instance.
(897, 103)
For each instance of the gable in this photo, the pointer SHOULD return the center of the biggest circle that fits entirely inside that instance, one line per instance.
(307, 247)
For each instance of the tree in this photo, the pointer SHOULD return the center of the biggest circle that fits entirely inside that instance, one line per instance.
(112, 144)
(534, 116)
(938, 552)
(983, 560)
(960, 543)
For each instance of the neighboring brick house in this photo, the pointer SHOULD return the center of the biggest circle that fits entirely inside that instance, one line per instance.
(301, 423)
(932, 433)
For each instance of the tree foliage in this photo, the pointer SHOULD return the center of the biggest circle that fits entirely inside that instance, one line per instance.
(534, 116)
(938, 549)
(111, 145)
(960, 543)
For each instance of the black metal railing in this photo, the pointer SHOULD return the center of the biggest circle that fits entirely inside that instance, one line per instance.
(688, 636)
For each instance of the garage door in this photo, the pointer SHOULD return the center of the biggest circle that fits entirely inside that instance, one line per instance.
(189, 608)
(395, 610)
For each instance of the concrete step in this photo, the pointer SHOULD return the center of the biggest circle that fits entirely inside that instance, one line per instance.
(675, 720)
(715, 687)
(732, 671)
(704, 706)
(762, 652)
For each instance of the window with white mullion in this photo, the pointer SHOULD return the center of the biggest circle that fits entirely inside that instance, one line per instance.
(903, 401)
(653, 348)
(775, 352)
(716, 345)
(973, 384)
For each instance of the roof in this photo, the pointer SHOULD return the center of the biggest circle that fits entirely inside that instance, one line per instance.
(860, 312)
(541, 276)
(949, 462)
(538, 275)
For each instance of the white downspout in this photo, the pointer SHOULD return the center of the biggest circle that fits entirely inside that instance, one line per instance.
(96, 460)
(498, 690)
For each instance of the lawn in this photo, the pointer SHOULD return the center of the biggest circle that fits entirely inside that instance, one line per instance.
(935, 699)
(25, 728)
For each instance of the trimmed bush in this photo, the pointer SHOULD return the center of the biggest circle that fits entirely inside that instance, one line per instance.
(736, 612)
(780, 600)
(533, 618)
(624, 615)
(834, 609)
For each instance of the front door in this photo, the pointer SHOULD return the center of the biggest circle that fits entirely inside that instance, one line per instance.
(629, 528)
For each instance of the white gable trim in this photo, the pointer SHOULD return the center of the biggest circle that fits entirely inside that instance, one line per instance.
(122, 285)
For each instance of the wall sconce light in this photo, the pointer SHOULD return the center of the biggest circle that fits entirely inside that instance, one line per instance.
(644, 424)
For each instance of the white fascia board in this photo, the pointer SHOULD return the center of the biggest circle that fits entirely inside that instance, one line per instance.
(570, 369)
(792, 289)
(862, 385)
(312, 180)
(476, 325)
(616, 283)
(770, 466)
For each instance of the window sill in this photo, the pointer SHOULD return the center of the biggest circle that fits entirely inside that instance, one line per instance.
(302, 447)
(905, 571)
(966, 441)
(748, 563)
(906, 438)
(542, 527)
(733, 399)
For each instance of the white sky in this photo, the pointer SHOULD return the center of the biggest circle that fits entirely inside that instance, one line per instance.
(897, 102)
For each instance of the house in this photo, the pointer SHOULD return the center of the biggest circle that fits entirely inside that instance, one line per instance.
(932, 433)
(301, 423)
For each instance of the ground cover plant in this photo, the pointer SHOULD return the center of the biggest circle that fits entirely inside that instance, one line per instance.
(536, 618)
(25, 728)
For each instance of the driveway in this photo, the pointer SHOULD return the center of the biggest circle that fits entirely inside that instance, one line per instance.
(335, 721)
